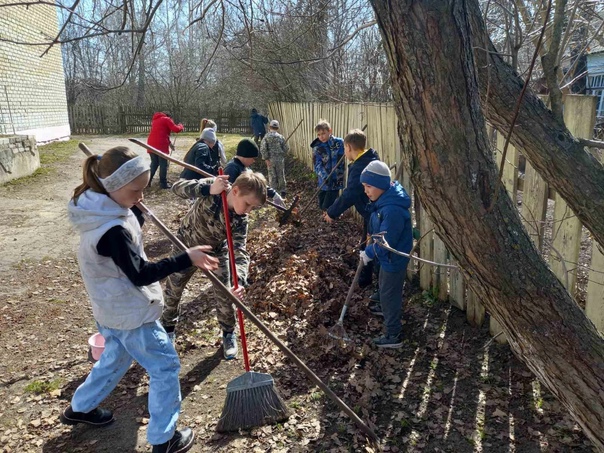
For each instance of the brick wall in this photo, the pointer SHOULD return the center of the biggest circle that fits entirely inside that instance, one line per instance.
(32, 88)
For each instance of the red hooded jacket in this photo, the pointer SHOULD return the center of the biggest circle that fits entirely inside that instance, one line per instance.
(161, 126)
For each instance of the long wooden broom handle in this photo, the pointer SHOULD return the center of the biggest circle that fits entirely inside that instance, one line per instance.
(197, 170)
(252, 317)
(233, 266)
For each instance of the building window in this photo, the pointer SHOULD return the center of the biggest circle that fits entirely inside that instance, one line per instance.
(595, 87)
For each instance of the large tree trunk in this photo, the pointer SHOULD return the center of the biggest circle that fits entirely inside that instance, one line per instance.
(442, 133)
(548, 145)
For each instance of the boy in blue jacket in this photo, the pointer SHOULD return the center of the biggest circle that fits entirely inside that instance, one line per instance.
(327, 151)
(389, 210)
(354, 193)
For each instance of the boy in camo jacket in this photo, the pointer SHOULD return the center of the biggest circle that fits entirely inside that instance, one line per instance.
(273, 149)
(205, 224)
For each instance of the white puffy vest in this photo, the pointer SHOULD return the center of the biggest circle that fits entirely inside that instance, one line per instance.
(116, 302)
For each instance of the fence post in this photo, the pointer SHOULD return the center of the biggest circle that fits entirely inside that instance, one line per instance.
(121, 120)
(579, 116)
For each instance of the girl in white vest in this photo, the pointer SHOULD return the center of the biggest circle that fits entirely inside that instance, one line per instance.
(126, 297)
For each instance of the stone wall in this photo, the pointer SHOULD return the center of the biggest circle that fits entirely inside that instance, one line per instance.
(18, 157)
(32, 86)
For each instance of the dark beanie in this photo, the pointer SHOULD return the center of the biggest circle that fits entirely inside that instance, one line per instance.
(247, 148)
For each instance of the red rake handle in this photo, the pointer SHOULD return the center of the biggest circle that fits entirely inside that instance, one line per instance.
(233, 266)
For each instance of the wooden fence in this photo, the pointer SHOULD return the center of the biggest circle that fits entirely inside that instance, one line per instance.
(542, 217)
(98, 119)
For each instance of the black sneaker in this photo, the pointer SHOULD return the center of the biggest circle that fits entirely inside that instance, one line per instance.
(376, 309)
(375, 297)
(97, 417)
(165, 185)
(181, 441)
(389, 342)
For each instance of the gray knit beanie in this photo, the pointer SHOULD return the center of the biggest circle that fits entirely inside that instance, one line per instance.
(208, 134)
(376, 174)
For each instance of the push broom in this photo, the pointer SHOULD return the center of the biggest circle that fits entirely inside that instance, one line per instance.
(252, 398)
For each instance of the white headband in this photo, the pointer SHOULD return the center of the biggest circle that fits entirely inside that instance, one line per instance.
(125, 174)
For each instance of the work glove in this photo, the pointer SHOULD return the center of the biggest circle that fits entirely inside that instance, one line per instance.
(278, 200)
(365, 258)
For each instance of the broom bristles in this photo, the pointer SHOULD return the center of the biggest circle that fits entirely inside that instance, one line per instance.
(257, 405)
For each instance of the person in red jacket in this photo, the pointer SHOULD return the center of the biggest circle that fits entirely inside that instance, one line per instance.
(159, 138)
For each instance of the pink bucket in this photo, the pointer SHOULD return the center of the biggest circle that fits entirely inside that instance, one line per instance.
(97, 345)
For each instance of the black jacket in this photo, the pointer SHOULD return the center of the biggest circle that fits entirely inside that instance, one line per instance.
(203, 157)
(235, 167)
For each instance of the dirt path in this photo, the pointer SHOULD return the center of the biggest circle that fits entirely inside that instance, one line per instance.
(449, 389)
(37, 210)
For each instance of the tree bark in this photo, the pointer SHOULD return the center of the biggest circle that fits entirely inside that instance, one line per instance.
(442, 131)
(548, 145)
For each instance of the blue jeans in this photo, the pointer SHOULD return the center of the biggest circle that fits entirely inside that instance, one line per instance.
(150, 346)
(391, 299)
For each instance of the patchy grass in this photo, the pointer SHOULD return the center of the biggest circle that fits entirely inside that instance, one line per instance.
(57, 152)
(40, 387)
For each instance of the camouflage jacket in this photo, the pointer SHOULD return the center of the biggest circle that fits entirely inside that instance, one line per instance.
(273, 146)
(204, 224)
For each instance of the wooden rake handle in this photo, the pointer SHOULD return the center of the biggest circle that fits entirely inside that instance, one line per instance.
(252, 317)
(197, 170)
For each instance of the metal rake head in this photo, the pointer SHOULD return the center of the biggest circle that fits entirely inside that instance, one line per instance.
(338, 335)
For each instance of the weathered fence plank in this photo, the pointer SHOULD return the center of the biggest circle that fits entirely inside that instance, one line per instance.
(457, 294)
(579, 116)
(475, 312)
(441, 279)
(534, 204)
(426, 251)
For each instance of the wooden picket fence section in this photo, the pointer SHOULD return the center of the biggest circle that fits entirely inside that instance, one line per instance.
(565, 230)
(98, 119)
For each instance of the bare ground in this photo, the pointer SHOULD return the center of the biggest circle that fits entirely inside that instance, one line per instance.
(450, 388)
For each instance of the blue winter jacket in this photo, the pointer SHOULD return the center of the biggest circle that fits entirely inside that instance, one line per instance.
(325, 156)
(390, 213)
(354, 194)
(257, 122)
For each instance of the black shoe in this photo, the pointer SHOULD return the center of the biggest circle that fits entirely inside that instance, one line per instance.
(386, 342)
(283, 194)
(181, 441)
(375, 297)
(97, 417)
(165, 185)
(376, 309)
